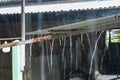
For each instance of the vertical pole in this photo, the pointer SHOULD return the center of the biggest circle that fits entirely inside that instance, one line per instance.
(22, 56)
(23, 20)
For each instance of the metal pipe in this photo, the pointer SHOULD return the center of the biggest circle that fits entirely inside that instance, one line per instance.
(23, 20)
(39, 39)
(22, 55)
(3, 39)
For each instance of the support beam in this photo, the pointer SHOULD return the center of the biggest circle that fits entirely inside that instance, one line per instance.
(110, 22)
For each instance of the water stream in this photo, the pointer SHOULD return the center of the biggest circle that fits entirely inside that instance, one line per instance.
(67, 58)
(93, 55)
(30, 61)
(63, 57)
(43, 77)
(71, 53)
(77, 54)
(102, 59)
(52, 60)
(48, 61)
(51, 57)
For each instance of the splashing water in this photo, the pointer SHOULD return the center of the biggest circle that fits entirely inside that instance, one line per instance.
(95, 47)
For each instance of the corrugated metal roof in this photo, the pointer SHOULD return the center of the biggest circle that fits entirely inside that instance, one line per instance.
(61, 7)
(103, 23)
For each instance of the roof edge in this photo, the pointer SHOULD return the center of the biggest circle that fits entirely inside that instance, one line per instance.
(61, 7)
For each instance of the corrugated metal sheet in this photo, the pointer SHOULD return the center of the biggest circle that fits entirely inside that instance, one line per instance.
(82, 27)
(61, 7)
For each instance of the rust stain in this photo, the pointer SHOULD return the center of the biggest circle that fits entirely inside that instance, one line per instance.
(49, 37)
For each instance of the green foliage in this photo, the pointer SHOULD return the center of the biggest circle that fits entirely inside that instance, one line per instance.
(113, 39)
(118, 37)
